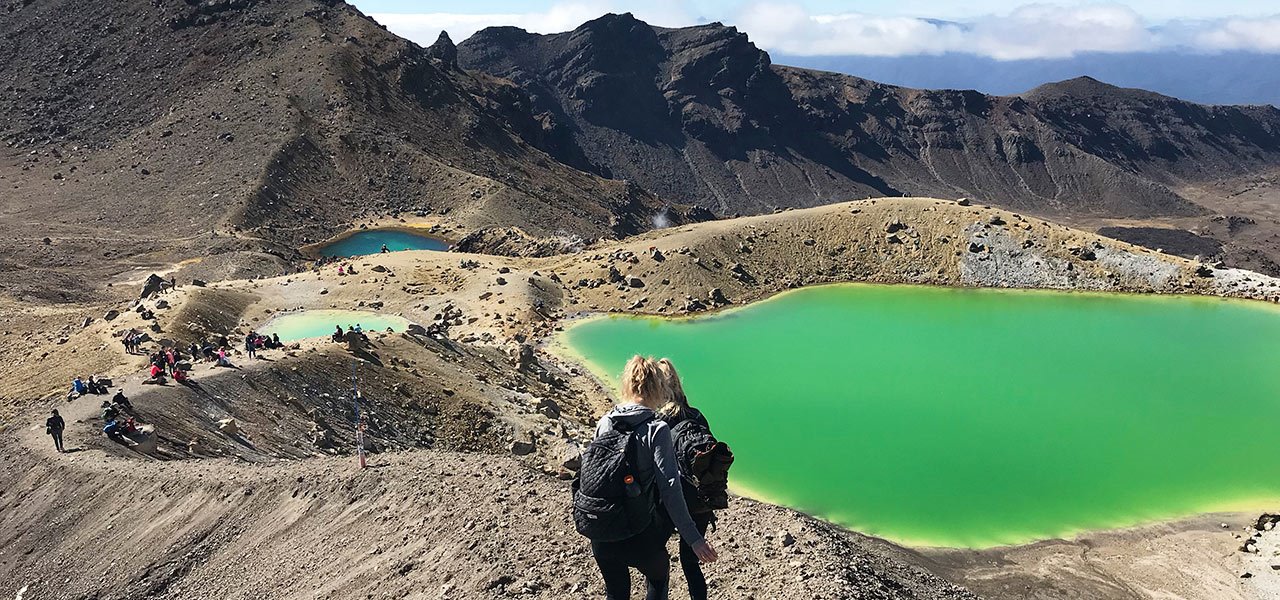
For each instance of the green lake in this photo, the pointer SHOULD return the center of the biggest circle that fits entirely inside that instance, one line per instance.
(301, 325)
(975, 418)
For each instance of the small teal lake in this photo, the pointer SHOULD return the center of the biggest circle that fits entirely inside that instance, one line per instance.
(372, 240)
(307, 324)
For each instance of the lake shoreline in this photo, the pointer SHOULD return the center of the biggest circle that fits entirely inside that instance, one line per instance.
(314, 250)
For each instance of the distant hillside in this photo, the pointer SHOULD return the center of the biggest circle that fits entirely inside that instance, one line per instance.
(139, 126)
(701, 115)
(1226, 78)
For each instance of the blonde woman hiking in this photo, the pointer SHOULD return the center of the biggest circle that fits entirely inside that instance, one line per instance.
(704, 468)
(628, 494)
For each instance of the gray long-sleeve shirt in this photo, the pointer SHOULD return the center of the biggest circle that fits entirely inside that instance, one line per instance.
(656, 458)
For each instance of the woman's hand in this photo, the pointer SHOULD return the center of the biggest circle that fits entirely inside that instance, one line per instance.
(705, 552)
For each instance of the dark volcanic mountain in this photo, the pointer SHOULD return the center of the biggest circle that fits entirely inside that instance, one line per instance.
(701, 115)
(134, 128)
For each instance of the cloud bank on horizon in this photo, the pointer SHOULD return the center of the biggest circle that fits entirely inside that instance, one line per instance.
(1029, 31)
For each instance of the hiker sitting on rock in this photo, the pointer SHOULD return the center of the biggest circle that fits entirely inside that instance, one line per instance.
(180, 376)
(157, 375)
(78, 388)
(339, 335)
(109, 411)
(122, 401)
(95, 386)
(158, 360)
(114, 430)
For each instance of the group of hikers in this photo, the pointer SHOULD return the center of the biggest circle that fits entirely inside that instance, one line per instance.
(341, 336)
(253, 342)
(653, 468)
(168, 361)
(343, 262)
(133, 340)
(118, 422)
(171, 361)
(83, 386)
(117, 419)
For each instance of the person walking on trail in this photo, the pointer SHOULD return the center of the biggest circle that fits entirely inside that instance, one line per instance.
(54, 426)
(629, 467)
(704, 468)
(250, 346)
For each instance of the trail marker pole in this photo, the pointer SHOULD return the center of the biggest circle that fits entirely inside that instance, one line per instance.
(355, 400)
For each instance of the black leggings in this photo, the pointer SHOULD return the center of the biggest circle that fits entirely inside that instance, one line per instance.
(647, 552)
(690, 563)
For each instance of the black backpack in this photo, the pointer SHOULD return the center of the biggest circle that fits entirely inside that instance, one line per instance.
(704, 466)
(610, 502)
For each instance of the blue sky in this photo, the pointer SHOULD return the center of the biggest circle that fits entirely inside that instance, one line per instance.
(998, 29)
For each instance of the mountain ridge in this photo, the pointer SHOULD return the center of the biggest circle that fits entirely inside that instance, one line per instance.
(736, 133)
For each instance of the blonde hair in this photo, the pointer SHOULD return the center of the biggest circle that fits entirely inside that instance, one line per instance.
(643, 383)
(676, 400)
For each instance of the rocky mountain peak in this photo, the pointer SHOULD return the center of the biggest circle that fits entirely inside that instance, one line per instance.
(444, 50)
(1085, 87)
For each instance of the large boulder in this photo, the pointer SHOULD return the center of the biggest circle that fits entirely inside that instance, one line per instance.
(571, 458)
(152, 286)
(355, 341)
(524, 358)
(321, 436)
(522, 448)
(229, 427)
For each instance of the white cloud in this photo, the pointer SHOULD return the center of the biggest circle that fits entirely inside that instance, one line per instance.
(424, 28)
(785, 26)
(1031, 31)
(1261, 35)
